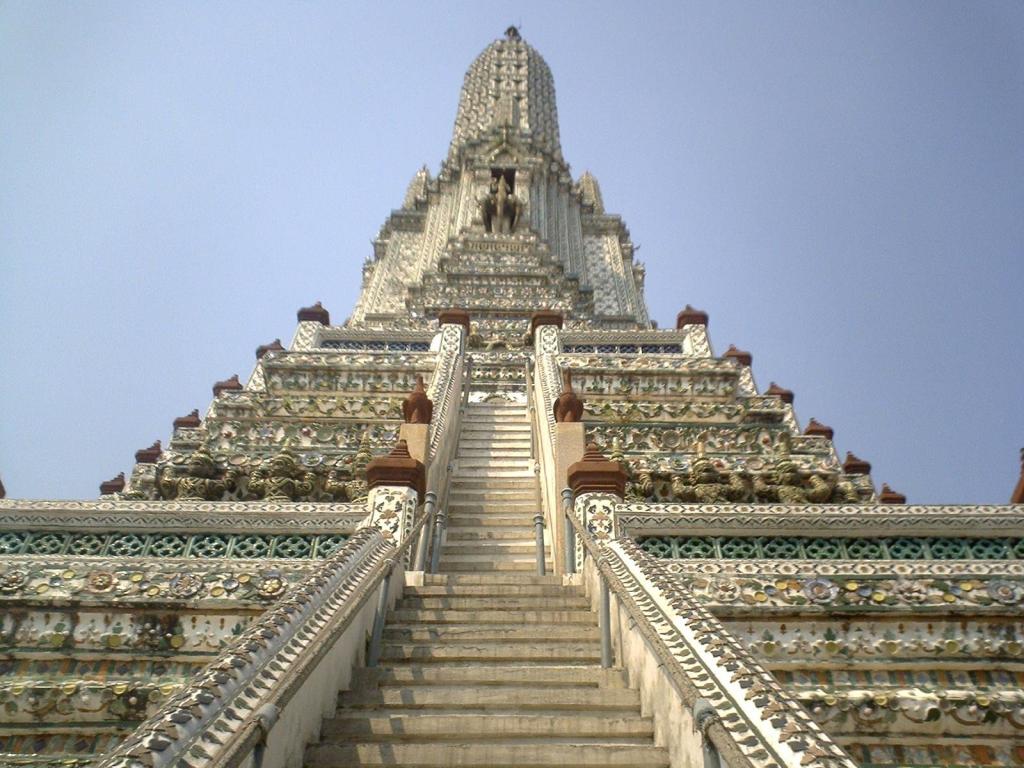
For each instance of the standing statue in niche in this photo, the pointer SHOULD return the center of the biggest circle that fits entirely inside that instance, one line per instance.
(500, 208)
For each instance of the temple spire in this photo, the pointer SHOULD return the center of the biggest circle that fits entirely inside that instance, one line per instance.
(508, 85)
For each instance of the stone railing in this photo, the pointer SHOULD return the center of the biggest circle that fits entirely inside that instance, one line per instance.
(690, 340)
(445, 391)
(706, 692)
(639, 519)
(261, 701)
(167, 517)
(544, 390)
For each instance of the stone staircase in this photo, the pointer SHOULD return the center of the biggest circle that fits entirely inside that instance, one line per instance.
(493, 494)
(489, 664)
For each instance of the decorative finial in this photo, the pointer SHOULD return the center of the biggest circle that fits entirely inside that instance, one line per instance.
(785, 395)
(739, 355)
(315, 314)
(148, 455)
(263, 349)
(113, 485)
(817, 429)
(854, 465)
(691, 316)
(512, 33)
(228, 385)
(889, 496)
(190, 421)
(417, 408)
(568, 408)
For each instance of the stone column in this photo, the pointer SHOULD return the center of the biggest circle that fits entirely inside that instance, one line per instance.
(598, 485)
(397, 485)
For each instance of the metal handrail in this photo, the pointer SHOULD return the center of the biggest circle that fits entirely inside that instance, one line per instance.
(467, 380)
(429, 503)
(530, 406)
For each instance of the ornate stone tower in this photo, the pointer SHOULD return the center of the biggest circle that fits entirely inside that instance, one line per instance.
(503, 230)
(512, 523)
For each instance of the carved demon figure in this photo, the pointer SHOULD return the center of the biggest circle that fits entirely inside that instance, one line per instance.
(281, 478)
(199, 478)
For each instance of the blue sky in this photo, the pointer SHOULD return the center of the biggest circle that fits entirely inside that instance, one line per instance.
(840, 185)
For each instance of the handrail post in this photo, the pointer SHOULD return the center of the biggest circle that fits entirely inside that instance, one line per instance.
(373, 657)
(530, 410)
(605, 620)
(570, 532)
(429, 502)
(467, 380)
(440, 521)
(703, 716)
(538, 528)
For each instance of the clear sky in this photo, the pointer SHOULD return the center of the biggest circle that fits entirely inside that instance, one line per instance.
(840, 185)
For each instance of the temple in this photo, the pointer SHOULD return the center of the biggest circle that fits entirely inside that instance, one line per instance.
(497, 518)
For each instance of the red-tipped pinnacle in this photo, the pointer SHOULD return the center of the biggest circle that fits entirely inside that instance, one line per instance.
(315, 314)
(785, 395)
(148, 455)
(816, 429)
(263, 349)
(228, 385)
(691, 316)
(856, 466)
(739, 355)
(189, 421)
(113, 485)
(889, 496)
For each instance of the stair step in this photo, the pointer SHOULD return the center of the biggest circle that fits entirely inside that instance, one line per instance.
(464, 535)
(473, 422)
(489, 579)
(493, 590)
(493, 697)
(483, 557)
(490, 674)
(425, 652)
(402, 725)
(467, 486)
(464, 565)
(465, 496)
(519, 454)
(489, 549)
(491, 633)
(448, 616)
(486, 429)
(492, 754)
(477, 472)
(486, 462)
(520, 518)
(543, 603)
(510, 442)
